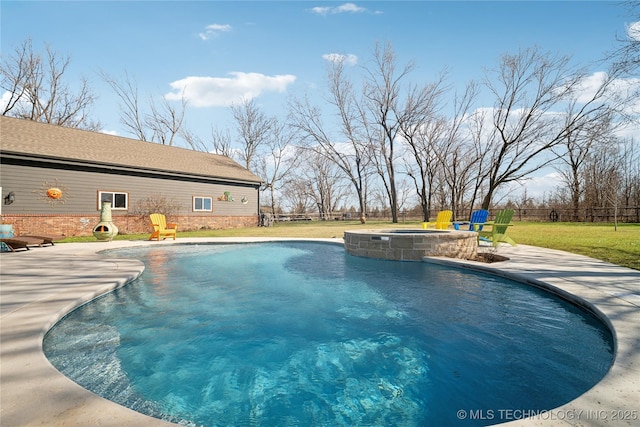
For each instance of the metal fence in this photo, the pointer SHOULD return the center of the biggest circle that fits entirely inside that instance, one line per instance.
(551, 214)
(561, 214)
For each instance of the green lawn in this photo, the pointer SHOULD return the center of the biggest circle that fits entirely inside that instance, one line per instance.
(601, 241)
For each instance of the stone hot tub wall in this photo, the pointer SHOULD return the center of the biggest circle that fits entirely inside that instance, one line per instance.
(411, 245)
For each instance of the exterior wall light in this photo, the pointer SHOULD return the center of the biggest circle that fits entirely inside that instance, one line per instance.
(9, 198)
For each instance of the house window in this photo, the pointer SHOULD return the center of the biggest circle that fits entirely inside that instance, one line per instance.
(202, 204)
(118, 201)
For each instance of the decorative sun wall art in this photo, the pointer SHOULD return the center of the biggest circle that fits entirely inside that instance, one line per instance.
(53, 193)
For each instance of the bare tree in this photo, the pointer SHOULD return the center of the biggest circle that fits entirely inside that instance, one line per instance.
(323, 181)
(165, 121)
(528, 87)
(382, 92)
(351, 151)
(38, 90)
(471, 173)
(221, 142)
(575, 150)
(601, 175)
(380, 200)
(423, 145)
(16, 73)
(131, 114)
(254, 129)
(444, 155)
(162, 124)
(611, 176)
(420, 129)
(630, 174)
(277, 161)
(193, 140)
(297, 196)
(627, 56)
(405, 194)
(460, 158)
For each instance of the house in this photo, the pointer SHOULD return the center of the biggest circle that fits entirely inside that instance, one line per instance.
(54, 179)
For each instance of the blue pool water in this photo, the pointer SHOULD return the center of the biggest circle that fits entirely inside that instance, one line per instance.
(302, 334)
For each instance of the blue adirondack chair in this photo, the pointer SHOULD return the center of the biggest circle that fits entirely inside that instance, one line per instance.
(478, 218)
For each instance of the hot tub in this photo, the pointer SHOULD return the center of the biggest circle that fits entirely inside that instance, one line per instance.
(411, 244)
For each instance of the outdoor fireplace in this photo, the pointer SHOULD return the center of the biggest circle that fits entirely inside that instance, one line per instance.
(105, 229)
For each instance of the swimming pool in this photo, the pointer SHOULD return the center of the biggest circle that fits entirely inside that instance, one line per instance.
(303, 334)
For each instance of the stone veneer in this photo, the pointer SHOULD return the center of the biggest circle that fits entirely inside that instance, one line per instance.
(411, 245)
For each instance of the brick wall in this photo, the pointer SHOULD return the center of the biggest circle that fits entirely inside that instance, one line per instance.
(82, 225)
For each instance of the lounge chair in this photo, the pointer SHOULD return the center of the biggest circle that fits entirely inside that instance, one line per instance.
(161, 229)
(22, 242)
(498, 229)
(478, 218)
(48, 238)
(442, 222)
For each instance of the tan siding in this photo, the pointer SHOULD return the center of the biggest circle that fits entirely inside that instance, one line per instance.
(80, 192)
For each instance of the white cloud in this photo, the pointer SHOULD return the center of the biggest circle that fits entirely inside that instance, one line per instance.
(627, 87)
(5, 99)
(214, 30)
(349, 7)
(544, 183)
(629, 131)
(224, 91)
(338, 57)
(109, 132)
(321, 10)
(633, 31)
(590, 85)
(344, 8)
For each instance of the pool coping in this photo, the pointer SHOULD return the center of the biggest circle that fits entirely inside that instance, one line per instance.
(41, 285)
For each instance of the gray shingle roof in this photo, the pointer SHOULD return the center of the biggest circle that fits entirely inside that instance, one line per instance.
(33, 139)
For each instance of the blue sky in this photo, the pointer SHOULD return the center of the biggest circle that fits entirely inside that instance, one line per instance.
(272, 50)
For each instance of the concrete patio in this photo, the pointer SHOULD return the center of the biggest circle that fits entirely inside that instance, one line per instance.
(41, 285)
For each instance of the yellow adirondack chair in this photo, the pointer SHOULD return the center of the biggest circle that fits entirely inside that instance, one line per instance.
(442, 222)
(160, 227)
(498, 229)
